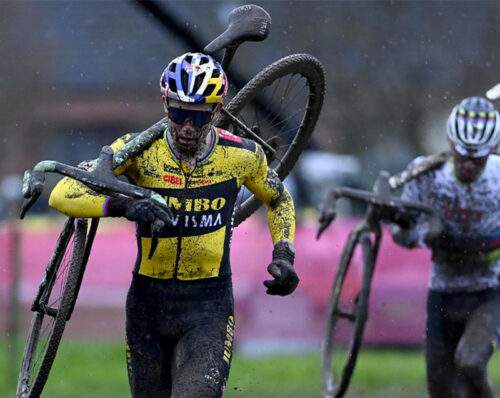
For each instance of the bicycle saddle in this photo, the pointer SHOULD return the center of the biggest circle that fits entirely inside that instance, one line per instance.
(246, 23)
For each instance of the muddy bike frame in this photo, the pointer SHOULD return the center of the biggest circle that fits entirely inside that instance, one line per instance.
(381, 206)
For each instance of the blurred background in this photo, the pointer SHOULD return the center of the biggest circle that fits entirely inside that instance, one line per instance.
(75, 75)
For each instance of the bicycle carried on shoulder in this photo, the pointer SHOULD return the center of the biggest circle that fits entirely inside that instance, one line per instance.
(278, 108)
(347, 311)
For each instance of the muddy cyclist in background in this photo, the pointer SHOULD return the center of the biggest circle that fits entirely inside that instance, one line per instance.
(463, 307)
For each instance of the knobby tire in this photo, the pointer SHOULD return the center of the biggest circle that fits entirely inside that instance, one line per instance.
(337, 388)
(31, 385)
(307, 67)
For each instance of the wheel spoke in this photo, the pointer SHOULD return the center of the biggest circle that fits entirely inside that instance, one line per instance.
(348, 314)
(48, 324)
(279, 101)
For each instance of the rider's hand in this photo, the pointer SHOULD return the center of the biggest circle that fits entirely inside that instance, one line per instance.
(327, 212)
(434, 232)
(281, 269)
(402, 219)
(424, 233)
(142, 211)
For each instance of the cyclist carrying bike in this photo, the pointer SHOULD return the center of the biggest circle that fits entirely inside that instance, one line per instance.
(463, 307)
(180, 317)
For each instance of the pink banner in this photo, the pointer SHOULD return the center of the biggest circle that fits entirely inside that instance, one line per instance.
(397, 301)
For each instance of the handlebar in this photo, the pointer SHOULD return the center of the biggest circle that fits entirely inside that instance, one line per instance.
(102, 178)
(381, 206)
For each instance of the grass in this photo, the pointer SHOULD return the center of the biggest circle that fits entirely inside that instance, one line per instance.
(89, 369)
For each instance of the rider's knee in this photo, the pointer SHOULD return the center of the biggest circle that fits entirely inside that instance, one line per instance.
(470, 364)
(198, 390)
(472, 359)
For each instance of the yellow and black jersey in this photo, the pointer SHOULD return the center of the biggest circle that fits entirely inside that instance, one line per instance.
(201, 199)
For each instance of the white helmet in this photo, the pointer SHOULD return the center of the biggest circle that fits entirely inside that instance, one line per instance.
(474, 127)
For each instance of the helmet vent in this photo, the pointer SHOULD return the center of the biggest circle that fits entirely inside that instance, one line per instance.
(209, 90)
(172, 85)
(204, 60)
(198, 81)
(221, 90)
(189, 58)
(216, 73)
(184, 80)
(172, 67)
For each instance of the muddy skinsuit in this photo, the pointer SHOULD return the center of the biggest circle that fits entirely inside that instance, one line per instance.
(180, 304)
(463, 308)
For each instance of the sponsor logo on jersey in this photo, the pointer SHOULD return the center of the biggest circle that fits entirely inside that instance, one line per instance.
(199, 209)
(176, 180)
(228, 343)
(203, 182)
(203, 221)
(196, 204)
(226, 135)
(463, 216)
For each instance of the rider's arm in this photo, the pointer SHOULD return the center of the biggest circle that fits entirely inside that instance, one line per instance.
(266, 185)
(74, 199)
(412, 235)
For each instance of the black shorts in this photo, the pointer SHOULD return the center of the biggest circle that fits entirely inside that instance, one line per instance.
(462, 331)
(449, 313)
(179, 337)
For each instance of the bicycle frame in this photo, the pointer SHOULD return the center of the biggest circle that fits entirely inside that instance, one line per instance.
(361, 234)
(380, 205)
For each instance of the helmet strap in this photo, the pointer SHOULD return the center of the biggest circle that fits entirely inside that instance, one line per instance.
(217, 109)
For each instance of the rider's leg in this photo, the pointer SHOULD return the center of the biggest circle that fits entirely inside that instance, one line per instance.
(203, 358)
(442, 335)
(476, 345)
(148, 353)
(180, 335)
(147, 367)
(463, 388)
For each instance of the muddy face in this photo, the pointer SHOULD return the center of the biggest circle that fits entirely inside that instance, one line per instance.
(187, 138)
(467, 169)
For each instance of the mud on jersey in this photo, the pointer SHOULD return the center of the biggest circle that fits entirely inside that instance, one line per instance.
(467, 256)
(201, 199)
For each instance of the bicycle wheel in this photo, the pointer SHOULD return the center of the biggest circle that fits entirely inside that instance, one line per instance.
(281, 104)
(346, 318)
(56, 299)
